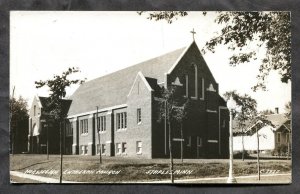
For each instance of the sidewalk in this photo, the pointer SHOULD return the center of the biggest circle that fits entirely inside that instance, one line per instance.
(250, 179)
(37, 178)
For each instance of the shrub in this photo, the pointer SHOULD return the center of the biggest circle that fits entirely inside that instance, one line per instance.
(239, 154)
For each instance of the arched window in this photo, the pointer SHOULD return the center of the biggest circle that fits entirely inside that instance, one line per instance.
(195, 94)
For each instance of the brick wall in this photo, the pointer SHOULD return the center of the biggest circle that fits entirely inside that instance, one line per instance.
(139, 98)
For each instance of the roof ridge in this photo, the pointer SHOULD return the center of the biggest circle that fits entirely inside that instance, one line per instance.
(136, 64)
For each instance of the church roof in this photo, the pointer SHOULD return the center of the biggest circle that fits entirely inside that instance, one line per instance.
(66, 103)
(112, 89)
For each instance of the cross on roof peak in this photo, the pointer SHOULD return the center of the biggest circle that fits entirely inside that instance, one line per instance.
(193, 33)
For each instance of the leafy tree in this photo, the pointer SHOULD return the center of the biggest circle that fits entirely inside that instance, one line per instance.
(57, 87)
(266, 112)
(288, 109)
(269, 30)
(247, 111)
(174, 107)
(18, 124)
(288, 115)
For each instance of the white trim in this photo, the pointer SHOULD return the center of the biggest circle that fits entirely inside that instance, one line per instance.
(108, 142)
(74, 144)
(211, 88)
(39, 101)
(176, 82)
(212, 141)
(100, 110)
(203, 89)
(109, 112)
(160, 83)
(143, 79)
(211, 111)
(286, 127)
(90, 143)
(166, 80)
(179, 58)
(91, 116)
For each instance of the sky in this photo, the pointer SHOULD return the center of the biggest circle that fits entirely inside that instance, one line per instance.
(44, 43)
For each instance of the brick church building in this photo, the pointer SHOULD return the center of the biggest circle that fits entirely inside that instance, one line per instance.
(127, 113)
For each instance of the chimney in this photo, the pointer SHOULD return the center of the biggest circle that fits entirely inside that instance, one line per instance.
(276, 110)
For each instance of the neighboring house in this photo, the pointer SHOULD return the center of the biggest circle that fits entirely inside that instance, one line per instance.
(127, 116)
(272, 137)
(43, 128)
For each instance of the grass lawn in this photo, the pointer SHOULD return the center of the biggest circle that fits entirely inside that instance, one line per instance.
(131, 170)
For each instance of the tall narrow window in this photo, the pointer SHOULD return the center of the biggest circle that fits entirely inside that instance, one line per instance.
(139, 115)
(139, 147)
(195, 94)
(69, 129)
(118, 150)
(103, 149)
(84, 149)
(124, 147)
(101, 123)
(189, 141)
(118, 121)
(199, 141)
(125, 120)
(278, 137)
(287, 137)
(186, 85)
(121, 120)
(202, 89)
(84, 126)
(34, 110)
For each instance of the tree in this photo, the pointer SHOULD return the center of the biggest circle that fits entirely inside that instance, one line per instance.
(267, 112)
(57, 87)
(288, 110)
(18, 124)
(173, 107)
(246, 113)
(180, 116)
(288, 115)
(269, 30)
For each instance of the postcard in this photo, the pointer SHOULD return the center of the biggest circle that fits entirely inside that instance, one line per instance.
(176, 97)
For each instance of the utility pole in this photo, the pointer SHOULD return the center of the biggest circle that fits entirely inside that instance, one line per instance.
(47, 125)
(170, 151)
(181, 143)
(98, 131)
(165, 127)
(10, 117)
(61, 156)
(258, 165)
(61, 139)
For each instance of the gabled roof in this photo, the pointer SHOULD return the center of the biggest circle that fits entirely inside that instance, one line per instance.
(66, 103)
(112, 89)
(277, 121)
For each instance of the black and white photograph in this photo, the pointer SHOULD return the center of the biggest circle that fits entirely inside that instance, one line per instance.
(150, 97)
